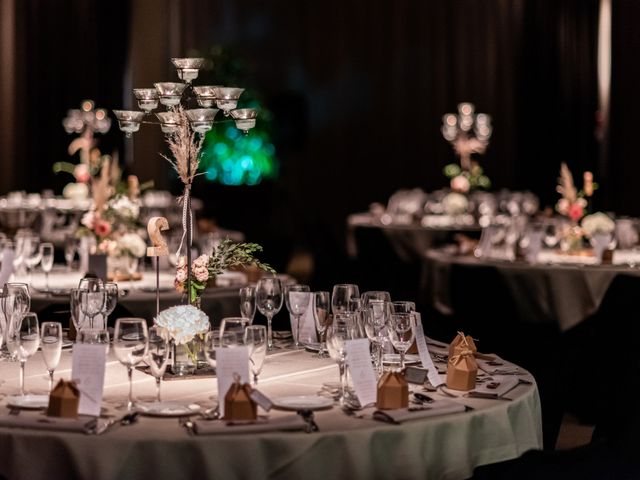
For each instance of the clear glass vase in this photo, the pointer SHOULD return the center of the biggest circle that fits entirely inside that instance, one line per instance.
(188, 357)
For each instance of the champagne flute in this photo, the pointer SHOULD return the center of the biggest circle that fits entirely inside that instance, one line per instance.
(234, 326)
(70, 248)
(269, 302)
(376, 318)
(342, 296)
(321, 306)
(23, 341)
(158, 355)
(402, 333)
(297, 299)
(248, 303)
(130, 344)
(75, 309)
(51, 346)
(255, 337)
(46, 261)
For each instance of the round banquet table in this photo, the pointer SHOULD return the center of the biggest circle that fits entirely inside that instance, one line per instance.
(442, 447)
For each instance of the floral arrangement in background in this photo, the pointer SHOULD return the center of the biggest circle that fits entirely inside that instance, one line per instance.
(455, 203)
(463, 181)
(205, 268)
(573, 203)
(597, 223)
(183, 323)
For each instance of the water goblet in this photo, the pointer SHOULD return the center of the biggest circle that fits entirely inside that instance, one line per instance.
(110, 301)
(234, 326)
(15, 302)
(23, 341)
(51, 346)
(297, 298)
(255, 337)
(213, 340)
(94, 336)
(130, 344)
(403, 307)
(46, 261)
(158, 355)
(92, 303)
(269, 302)
(322, 317)
(402, 333)
(341, 297)
(248, 303)
(91, 284)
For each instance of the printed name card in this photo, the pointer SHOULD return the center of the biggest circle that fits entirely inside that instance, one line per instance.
(230, 361)
(425, 357)
(362, 374)
(87, 371)
(307, 321)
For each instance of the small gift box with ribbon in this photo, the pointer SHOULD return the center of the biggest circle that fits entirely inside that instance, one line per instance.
(238, 404)
(462, 367)
(461, 338)
(393, 391)
(64, 400)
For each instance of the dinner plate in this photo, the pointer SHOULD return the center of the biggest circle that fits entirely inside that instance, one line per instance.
(394, 358)
(302, 402)
(29, 401)
(167, 409)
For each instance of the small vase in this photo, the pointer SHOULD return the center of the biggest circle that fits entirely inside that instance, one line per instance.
(188, 357)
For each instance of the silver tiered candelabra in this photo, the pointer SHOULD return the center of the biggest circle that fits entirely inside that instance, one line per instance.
(175, 97)
(467, 131)
(86, 122)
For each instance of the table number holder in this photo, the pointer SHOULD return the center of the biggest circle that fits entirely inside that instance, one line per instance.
(155, 226)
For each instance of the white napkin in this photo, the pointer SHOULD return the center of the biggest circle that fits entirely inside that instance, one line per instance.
(437, 407)
(496, 388)
(498, 366)
(212, 427)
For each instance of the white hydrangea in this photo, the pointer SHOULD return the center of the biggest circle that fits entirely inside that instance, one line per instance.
(455, 204)
(125, 207)
(132, 244)
(597, 223)
(183, 322)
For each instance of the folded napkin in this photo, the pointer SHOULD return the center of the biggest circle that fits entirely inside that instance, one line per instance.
(553, 257)
(437, 407)
(209, 427)
(82, 424)
(436, 347)
(499, 386)
(498, 366)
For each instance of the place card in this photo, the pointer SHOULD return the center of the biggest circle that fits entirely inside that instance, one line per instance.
(230, 361)
(425, 357)
(87, 371)
(361, 370)
(6, 270)
(261, 399)
(307, 322)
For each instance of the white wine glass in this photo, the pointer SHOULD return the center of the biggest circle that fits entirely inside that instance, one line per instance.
(297, 298)
(23, 341)
(269, 299)
(322, 317)
(76, 311)
(248, 303)
(130, 344)
(158, 355)
(401, 329)
(342, 296)
(51, 346)
(46, 261)
(234, 326)
(92, 303)
(255, 337)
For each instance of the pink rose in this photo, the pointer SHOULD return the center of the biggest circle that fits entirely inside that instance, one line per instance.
(201, 273)
(87, 219)
(81, 173)
(202, 261)
(575, 212)
(181, 275)
(460, 184)
(102, 228)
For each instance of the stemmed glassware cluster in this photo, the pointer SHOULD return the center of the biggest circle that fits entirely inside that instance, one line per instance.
(130, 344)
(93, 297)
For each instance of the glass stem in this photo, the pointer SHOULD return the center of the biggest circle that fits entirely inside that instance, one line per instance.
(22, 364)
(50, 380)
(401, 360)
(158, 385)
(343, 381)
(255, 379)
(130, 399)
(46, 281)
(269, 334)
(298, 331)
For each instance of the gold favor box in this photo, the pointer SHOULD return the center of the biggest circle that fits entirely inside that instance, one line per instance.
(393, 391)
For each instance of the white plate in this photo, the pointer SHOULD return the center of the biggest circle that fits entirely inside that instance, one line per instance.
(167, 409)
(394, 358)
(302, 402)
(29, 401)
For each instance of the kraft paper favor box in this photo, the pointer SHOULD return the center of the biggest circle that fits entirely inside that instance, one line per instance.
(238, 404)
(461, 338)
(64, 400)
(462, 370)
(393, 391)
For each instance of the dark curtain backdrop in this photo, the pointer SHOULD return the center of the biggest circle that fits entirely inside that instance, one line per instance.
(357, 88)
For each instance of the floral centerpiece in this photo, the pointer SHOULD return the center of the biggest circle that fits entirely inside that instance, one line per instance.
(205, 268)
(463, 181)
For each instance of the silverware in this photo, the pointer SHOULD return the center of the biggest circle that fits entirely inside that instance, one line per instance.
(307, 416)
(422, 398)
(188, 424)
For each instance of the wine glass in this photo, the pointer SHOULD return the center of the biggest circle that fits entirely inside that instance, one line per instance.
(46, 261)
(111, 300)
(70, 249)
(96, 336)
(130, 344)
(337, 335)
(321, 306)
(32, 253)
(51, 346)
(402, 333)
(341, 297)
(375, 295)
(158, 355)
(75, 309)
(248, 303)
(403, 307)
(16, 301)
(23, 341)
(269, 302)
(234, 326)
(92, 303)
(297, 298)
(255, 337)
(376, 317)
(213, 339)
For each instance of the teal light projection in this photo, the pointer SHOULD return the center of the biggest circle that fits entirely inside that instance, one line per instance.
(233, 158)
